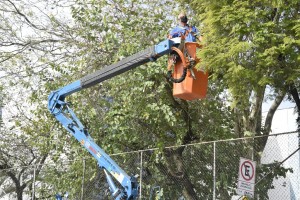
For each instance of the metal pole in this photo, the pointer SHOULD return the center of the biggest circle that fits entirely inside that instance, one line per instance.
(252, 156)
(214, 173)
(33, 182)
(141, 174)
(82, 184)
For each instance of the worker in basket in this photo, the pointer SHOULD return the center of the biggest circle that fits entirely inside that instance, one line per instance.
(190, 33)
(181, 34)
(188, 83)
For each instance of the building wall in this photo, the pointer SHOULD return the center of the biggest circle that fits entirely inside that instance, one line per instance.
(279, 148)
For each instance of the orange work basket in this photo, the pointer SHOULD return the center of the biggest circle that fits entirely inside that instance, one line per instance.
(190, 88)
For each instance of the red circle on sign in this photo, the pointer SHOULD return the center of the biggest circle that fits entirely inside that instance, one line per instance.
(252, 168)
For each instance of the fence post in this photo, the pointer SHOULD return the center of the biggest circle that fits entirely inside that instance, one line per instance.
(141, 174)
(82, 184)
(214, 172)
(33, 182)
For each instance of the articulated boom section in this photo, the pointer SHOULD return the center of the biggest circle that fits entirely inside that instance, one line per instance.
(65, 115)
(68, 119)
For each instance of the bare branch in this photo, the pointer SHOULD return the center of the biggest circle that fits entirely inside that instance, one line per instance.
(23, 15)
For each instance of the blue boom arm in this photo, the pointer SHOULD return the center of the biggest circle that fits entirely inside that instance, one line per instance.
(65, 115)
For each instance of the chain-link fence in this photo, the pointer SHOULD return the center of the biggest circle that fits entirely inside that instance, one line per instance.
(207, 170)
(210, 170)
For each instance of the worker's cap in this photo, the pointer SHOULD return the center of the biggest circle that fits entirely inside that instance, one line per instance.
(182, 17)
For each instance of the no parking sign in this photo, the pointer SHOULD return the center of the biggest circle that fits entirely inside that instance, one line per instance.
(246, 180)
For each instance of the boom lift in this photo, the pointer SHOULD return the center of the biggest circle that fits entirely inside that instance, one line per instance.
(180, 58)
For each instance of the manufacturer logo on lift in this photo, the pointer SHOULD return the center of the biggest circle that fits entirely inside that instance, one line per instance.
(88, 145)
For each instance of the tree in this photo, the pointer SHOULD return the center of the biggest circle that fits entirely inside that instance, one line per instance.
(32, 41)
(18, 159)
(261, 44)
(253, 47)
(140, 111)
(136, 110)
(161, 118)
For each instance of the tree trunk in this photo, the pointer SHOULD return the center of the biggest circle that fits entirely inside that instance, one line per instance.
(175, 172)
(19, 188)
(19, 192)
(268, 122)
(176, 168)
(294, 92)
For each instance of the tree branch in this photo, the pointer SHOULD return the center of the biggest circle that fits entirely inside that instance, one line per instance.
(271, 112)
(294, 92)
(23, 15)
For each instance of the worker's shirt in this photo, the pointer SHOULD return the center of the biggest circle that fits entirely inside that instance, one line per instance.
(179, 30)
